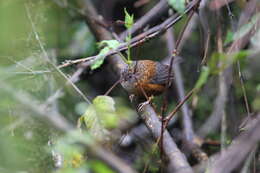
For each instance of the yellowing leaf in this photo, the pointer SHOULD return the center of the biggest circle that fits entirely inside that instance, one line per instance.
(105, 108)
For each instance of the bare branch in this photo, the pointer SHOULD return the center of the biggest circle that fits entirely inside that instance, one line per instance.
(141, 38)
(177, 161)
(232, 157)
(156, 12)
(225, 78)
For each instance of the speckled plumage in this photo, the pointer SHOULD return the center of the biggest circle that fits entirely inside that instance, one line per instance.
(150, 75)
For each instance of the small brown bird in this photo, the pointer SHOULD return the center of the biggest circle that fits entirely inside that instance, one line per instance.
(145, 76)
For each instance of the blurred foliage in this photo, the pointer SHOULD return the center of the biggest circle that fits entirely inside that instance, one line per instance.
(150, 161)
(178, 5)
(28, 29)
(102, 116)
(98, 166)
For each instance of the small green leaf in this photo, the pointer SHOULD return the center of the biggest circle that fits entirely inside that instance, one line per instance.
(256, 103)
(111, 44)
(128, 38)
(203, 77)
(99, 166)
(104, 103)
(100, 58)
(178, 5)
(240, 55)
(214, 65)
(229, 38)
(220, 61)
(107, 46)
(129, 19)
(258, 88)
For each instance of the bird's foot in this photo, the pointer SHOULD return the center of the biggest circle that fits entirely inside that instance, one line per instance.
(131, 98)
(141, 105)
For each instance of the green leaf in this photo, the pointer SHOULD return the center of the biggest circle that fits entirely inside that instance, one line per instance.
(220, 61)
(100, 58)
(101, 167)
(106, 111)
(229, 38)
(91, 122)
(258, 88)
(240, 55)
(203, 77)
(105, 103)
(107, 46)
(100, 116)
(111, 44)
(129, 19)
(178, 5)
(213, 64)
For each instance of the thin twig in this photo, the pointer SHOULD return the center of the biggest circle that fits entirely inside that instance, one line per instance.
(173, 54)
(143, 37)
(169, 117)
(177, 44)
(243, 88)
(113, 86)
(58, 121)
(225, 78)
(49, 61)
(155, 13)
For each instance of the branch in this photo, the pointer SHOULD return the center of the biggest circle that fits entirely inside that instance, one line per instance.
(141, 38)
(59, 122)
(156, 12)
(186, 117)
(225, 77)
(232, 157)
(177, 161)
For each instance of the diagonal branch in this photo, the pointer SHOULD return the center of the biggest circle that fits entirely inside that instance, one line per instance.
(156, 12)
(177, 161)
(141, 38)
(59, 122)
(232, 157)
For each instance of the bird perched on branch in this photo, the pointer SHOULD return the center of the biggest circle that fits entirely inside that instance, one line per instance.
(145, 78)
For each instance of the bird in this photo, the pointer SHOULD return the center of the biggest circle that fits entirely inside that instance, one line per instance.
(146, 78)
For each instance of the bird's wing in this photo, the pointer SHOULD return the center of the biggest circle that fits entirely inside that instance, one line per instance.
(162, 73)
